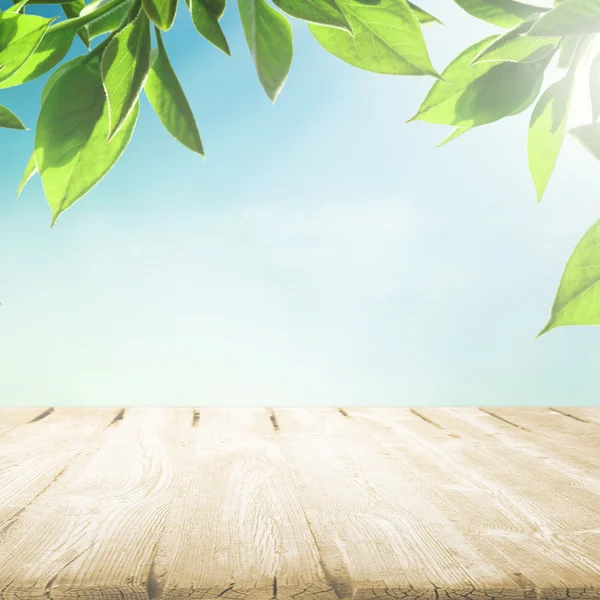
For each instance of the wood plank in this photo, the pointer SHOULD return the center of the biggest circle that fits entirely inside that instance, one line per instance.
(93, 533)
(239, 531)
(33, 454)
(12, 417)
(505, 506)
(477, 426)
(590, 414)
(378, 534)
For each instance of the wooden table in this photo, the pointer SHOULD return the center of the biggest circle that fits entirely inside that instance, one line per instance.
(323, 503)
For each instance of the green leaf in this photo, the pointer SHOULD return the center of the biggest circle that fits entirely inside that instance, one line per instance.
(568, 47)
(53, 79)
(515, 47)
(106, 22)
(387, 38)
(547, 131)
(20, 35)
(8, 120)
(161, 12)
(423, 17)
(571, 17)
(503, 13)
(456, 77)
(125, 66)
(269, 37)
(595, 87)
(169, 102)
(73, 10)
(71, 152)
(506, 89)
(206, 22)
(589, 137)
(577, 301)
(51, 50)
(321, 12)
(15, 8)
(30, 171)
(455, 134)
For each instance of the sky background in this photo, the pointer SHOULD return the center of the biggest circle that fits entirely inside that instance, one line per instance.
(325, 253)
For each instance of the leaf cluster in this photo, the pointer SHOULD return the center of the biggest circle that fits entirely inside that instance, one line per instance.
(90, 104)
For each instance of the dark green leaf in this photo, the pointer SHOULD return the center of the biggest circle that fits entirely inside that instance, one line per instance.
(547, 131)
(515, 47)
(20, 35)
(571, 17)
(161, 12)
(207, 24)
(8, 120)
(125, 65)
(595, 87)
(51, 50)
(423, 17)
(589, 137)
(321, 12)
(169, 102)
(71, 152)
(503, 13)
(269, 37)
(30, 171)
(577, 301)
(387, 38)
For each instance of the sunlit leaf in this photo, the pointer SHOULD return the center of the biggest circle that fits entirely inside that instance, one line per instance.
(125, 65)
(206, 22)
(105, 22)
(169, 102)
(578, 298)
(20, 35)
(15, 8)
(547, 131)
(8, 120)
(161, 12)
(57, 74)
(515, 47)
(455, 134)
(589, 137)
(423, 16)
(51, 50)
(456, 77)
(595, 87)
(387, 38)
(571, 17)
(30, 171)
(505, 90)
(321, 12)
(71, 152)
(503, 13)
(269, 37)
(73, 9)
(568, 47)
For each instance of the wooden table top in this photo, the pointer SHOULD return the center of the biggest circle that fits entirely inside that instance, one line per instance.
(320, 503)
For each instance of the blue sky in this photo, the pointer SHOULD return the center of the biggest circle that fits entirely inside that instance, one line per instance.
(324, 253)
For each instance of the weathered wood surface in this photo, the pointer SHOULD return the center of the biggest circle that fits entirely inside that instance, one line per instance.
(290, 504)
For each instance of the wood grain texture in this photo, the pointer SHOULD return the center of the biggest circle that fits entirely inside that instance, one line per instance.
(291, 504)
(35, 452)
